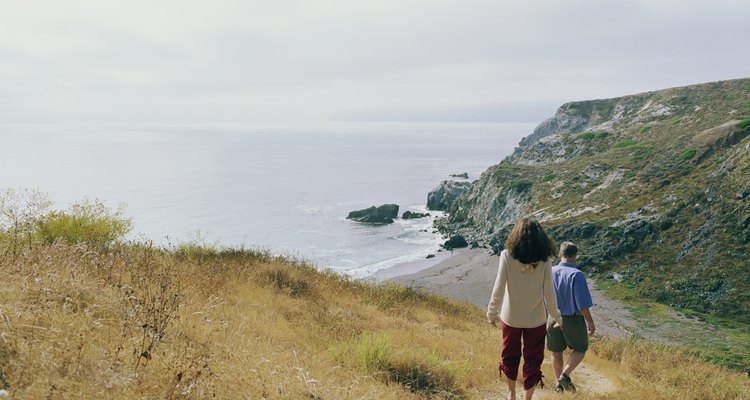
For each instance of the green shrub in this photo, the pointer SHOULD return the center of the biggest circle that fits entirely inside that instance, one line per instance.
(586, 135)
(602, 135)
(89, 221)
(373, 352)
(625, 143)
(744, 124)
(196, 250)
(644, 129)
(198, 247)
(520, 185)
(285, 282)
(548, 176)
(686, 155)
(431, 375)
(642, 153)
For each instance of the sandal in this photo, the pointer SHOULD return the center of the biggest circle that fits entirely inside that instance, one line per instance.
(566, 383)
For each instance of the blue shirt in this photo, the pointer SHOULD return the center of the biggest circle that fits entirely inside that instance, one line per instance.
(571, 290)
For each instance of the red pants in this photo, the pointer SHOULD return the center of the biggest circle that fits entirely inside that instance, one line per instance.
(533, 353)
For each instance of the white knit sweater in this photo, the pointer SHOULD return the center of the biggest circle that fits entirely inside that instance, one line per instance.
(520, 293)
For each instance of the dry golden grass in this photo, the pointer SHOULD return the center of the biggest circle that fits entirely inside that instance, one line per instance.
(130, 321)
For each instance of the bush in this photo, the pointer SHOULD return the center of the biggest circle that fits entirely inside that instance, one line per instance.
(586, 135)
(433, 375)
(285, 282)
(686, 155)
(373, 353)
(744, 124)
(89, 221)
(643, 153)
(198, 247)
(625, 143)
(196, 250)
(548, 176)
(520, 185)
(602, 135)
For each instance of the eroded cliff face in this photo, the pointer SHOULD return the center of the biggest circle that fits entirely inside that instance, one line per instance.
(655, 186)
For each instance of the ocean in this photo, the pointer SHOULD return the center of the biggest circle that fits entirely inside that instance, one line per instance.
(286, 188)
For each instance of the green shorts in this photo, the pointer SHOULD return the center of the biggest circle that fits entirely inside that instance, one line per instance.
(573, 334)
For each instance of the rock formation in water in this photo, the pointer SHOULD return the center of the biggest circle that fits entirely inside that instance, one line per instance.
(383, 214)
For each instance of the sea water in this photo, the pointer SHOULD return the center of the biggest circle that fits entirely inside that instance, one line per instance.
(286, 189)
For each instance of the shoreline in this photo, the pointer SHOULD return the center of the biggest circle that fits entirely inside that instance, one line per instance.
(412, 267)
(467, 275)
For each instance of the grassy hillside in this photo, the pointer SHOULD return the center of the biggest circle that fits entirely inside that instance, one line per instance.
(653, 186)
(131, 321)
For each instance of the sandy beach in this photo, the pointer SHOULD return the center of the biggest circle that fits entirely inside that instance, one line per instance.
(469, 274)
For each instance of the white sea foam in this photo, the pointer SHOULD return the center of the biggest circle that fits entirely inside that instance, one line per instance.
(369, 270)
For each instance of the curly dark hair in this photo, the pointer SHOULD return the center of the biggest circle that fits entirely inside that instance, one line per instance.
(528, 243)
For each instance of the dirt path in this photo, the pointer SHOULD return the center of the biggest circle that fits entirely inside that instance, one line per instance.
(586, 379)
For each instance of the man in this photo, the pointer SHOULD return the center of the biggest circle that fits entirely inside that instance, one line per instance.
(573, 301)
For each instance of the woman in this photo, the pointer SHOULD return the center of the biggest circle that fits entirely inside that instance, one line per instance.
(523, 285)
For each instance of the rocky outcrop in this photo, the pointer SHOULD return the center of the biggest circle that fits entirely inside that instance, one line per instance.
(383, 214)
(414, 215)
(604, 114)
(443, 197)
(570, 117)
(455, 242)
(464, 175)
(652, 185)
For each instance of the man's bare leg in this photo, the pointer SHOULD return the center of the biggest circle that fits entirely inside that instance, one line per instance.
(575, 358)
(557, 364)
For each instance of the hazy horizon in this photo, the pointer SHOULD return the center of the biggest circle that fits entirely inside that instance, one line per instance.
(190, 62)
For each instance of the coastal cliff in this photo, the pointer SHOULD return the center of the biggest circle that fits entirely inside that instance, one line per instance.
(653, 186)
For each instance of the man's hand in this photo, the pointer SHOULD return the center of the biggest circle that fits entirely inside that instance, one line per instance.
(556, 326)
(493, 323)
(589, 321)
(591, 327)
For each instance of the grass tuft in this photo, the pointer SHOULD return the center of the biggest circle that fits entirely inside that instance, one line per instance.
(373, 353)
(625, 143)
(686, 155)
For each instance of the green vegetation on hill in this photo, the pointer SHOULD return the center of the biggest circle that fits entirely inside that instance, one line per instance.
(26, 215)
(663, 199)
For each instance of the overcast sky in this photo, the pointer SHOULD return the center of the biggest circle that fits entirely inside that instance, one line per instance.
(224, 61)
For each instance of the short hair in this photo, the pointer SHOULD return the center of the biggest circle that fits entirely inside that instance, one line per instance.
(568, 249)
(528, 243)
